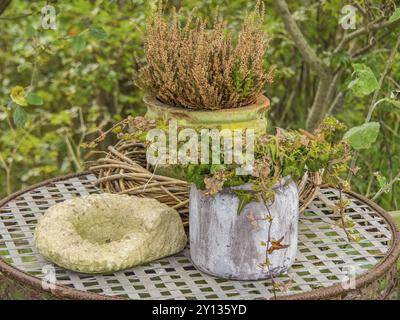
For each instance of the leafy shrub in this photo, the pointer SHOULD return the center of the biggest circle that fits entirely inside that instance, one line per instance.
(192, 67)
(84, 80)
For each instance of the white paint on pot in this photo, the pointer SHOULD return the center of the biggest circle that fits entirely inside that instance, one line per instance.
(228, 245)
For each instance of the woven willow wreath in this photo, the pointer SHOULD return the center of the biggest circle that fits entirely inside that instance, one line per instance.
(124, 170)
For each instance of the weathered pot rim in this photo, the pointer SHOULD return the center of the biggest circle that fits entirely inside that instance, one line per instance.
(241, 113)
(249, 186)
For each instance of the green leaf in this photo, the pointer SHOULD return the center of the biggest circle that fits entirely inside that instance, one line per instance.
(98, 33)
(245, 197)
(18, 96)
(382, 181)
(395, 16)
(362, 137)
(34, 99)
(216, 168)
(78, 43)
(61, 118)
(19, 295)
(24, 66)
(393, 100)
(382, 284)
(365, 81)
(20, 117)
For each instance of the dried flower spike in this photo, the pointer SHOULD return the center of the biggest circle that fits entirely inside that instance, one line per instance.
(190, 66)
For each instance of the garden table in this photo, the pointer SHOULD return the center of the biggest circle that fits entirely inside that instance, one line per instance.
(325, 259)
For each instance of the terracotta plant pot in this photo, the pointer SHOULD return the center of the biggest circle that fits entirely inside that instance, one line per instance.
(251, 116)
(228, 245)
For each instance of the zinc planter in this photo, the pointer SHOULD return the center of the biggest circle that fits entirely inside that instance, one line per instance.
(228, 245)
(252, 116)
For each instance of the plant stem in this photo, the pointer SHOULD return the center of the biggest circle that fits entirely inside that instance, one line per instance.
(8, 117)
(73, 155)
(342, 213)
(8, 175)
(356, 153)
(374, 102)
(270, 219)
(389, 186)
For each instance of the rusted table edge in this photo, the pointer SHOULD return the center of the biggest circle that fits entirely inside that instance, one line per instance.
(64, 292)
(374, 274)
(24, 278)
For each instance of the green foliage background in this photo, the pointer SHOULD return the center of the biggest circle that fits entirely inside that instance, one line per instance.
(85, 81)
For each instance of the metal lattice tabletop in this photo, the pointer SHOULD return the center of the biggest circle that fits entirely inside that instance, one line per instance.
(325, 257)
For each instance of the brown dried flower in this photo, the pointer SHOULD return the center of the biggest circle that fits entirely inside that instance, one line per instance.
(262, 168)
(141, 123)
(213, 186)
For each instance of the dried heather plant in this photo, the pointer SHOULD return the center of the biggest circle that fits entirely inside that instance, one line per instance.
(188, 65)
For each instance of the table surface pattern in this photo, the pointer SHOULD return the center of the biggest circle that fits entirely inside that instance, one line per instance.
(324, 258)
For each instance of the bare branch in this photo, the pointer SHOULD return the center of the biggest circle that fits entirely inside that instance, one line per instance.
(302, 45)
(3, 5)
(337, 102)
(373, 26)
(17, 17)
(319, 107)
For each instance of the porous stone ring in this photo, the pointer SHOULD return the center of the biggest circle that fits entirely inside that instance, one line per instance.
(108, 232)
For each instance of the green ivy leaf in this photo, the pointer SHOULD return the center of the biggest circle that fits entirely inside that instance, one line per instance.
(244, 198)
(34, 99)
(362, 137)
(18, 96)
(395, 16)
(20, 117)
(365, 82)
(98, 33)
(78, 43)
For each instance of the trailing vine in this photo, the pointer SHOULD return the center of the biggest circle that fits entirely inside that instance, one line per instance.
(328, 150)
(287, 153)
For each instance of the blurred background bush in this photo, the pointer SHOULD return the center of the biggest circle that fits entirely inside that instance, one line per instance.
(82, 72)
